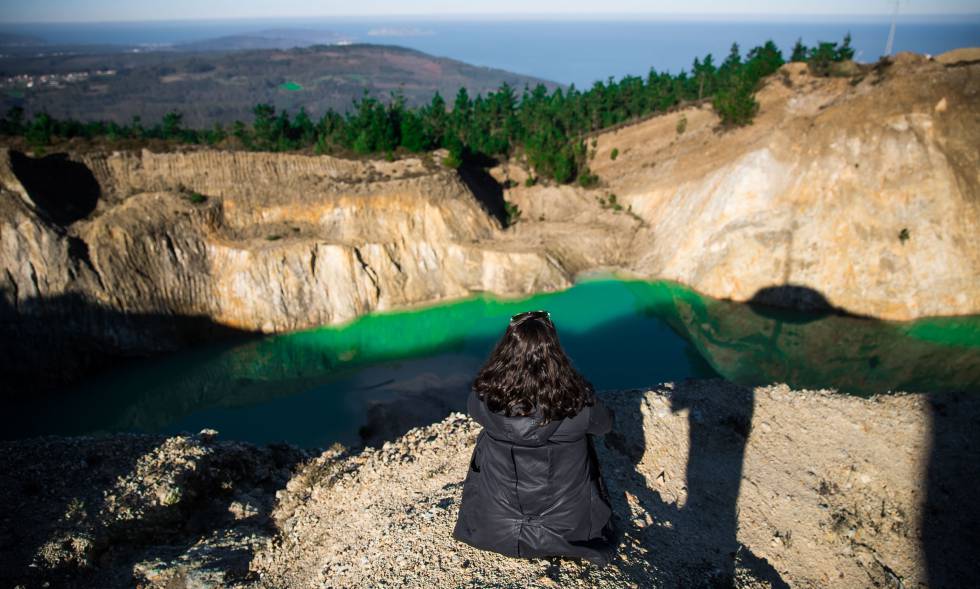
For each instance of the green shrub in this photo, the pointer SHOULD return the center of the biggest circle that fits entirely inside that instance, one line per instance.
(609, 202)
(736, 105)
(614, 153)
(452, 161)
(197, 198)
(531, 181)
(563, 170)
(799, 52)
(513, 212)
(904, 235)
(457, 153)
(587, 179)
(362, 145)
(821, 58)
(681, 125)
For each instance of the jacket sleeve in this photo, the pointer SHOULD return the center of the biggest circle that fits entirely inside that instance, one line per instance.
(600, 419)
(474, 406)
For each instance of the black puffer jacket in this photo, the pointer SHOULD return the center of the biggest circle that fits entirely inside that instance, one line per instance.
(535, 491)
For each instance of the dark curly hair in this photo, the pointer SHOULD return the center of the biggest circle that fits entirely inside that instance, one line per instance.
(528, 372)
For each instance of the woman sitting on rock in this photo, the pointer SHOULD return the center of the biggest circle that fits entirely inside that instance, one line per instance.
(533, 488)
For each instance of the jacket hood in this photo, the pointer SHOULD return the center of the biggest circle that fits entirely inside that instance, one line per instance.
(522, 431)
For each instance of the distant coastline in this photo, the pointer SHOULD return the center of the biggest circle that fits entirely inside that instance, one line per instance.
(568, 50)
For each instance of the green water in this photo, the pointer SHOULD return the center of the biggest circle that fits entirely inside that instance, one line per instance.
(316, 387)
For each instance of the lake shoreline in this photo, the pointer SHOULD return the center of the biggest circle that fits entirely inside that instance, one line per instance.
(374, 379)
(797, 482)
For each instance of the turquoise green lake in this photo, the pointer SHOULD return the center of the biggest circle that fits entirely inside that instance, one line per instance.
(318, 387)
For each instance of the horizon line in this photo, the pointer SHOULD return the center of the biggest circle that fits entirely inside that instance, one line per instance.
(669, 16)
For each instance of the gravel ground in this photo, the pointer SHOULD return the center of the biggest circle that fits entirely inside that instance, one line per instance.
(125, 510)
(709, 481)
(712, 485)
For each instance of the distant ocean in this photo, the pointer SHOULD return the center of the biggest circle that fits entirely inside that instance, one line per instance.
(565, 51)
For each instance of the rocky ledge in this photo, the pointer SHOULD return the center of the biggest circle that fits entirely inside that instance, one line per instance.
(770, 486)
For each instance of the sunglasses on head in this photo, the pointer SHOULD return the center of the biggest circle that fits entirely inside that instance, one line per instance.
(530, 315)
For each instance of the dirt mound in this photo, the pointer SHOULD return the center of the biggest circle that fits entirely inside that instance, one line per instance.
(959, 56)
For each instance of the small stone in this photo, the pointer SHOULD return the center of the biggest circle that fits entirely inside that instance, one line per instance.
(207, 434)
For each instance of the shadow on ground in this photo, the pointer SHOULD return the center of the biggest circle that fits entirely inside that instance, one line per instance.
(486, 189)
(951, 516)
(48, 342)
(695, 545)
(63, 190)
(707, 524)
(126, 510)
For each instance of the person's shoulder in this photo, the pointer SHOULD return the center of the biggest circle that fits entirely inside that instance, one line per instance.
(600, 417)
(477, 409)
(573, 426)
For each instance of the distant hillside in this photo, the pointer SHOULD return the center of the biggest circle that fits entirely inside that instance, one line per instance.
(268, 39)
(213, 87)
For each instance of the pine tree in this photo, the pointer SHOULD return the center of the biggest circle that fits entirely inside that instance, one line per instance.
(435, 121)
(732, 62)
(38, 133)
(303, 129)
(704, 72)
(821, 57)
(799, 52)
(845, 52)
(172, 125)
(263, 126)
(13, 122)
(413, 133)
(735, 103)
(762, 61)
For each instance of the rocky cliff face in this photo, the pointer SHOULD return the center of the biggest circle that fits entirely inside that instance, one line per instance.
(176, 245)
(858, 193)
(864, 190)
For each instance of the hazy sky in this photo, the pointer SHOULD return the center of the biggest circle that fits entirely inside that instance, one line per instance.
(109, 10)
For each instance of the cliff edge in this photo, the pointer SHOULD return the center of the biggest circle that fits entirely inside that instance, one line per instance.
(708, 480)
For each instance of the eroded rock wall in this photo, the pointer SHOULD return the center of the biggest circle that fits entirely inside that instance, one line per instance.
(244, 243)
(861, 190)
